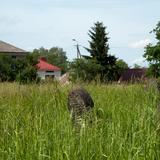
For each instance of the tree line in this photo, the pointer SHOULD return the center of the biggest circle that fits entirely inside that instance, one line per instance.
(24, 71)
(99, 65)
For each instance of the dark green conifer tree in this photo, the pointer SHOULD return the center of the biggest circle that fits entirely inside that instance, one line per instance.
(99, 48)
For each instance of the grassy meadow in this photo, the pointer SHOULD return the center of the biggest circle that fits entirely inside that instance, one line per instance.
(35, 124)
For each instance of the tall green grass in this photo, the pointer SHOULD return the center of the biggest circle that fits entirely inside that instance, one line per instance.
(35, 124)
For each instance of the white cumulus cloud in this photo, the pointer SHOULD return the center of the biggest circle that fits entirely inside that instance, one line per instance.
(140, 61)
(140, 43)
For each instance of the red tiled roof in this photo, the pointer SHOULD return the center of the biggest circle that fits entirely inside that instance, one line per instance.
(44, 66)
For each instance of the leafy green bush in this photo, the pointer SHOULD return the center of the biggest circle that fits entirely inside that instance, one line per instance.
(6, 68)
(22, 70)
(84, 70)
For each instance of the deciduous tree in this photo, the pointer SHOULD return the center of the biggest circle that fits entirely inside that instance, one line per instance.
(152, 54)
(56, 56)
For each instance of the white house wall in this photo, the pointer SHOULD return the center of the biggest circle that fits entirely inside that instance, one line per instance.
(57, 74)
(42, 74)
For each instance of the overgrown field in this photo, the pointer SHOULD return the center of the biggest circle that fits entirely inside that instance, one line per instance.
(35, 124)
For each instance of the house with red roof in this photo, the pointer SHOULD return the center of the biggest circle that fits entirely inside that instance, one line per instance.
(46, 70)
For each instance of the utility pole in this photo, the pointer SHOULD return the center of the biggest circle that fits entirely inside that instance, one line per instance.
(78, 50)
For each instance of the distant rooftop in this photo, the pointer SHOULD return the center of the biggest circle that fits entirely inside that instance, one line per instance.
(44, 66)
(8, 48)
(133, 74)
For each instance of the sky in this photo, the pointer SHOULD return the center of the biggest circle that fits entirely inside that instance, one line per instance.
(30, 24)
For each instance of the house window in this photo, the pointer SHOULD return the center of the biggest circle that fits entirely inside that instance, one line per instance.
(14, 57)
(49, 71)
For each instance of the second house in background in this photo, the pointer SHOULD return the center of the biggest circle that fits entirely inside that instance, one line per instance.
(46, 70)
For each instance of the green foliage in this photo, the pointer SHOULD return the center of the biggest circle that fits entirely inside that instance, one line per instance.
(99, 42)
(22, 70)
(99, 48)
(6, 68)
(54, 55)
(87, 69)
(35, 124)
(121, 65)
(84, 70)
(26, 69)
(152, 54)
(157, 31)
(99, 65)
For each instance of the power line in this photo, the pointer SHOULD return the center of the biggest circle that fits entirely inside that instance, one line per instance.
(77, 48)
